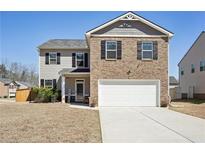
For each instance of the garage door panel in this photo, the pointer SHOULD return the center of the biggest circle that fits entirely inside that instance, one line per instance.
(131, 94)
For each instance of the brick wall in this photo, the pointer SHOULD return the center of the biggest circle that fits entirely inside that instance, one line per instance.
(104, 69)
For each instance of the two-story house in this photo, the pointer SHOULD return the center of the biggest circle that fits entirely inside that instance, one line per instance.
(123, 62)
(192, 70)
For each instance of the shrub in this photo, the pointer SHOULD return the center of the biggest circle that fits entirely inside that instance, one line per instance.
(46, 95)
(5, 96)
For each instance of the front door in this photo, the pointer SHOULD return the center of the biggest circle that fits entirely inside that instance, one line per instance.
(79, 90)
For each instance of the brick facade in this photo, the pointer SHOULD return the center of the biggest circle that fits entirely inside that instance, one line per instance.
(139, 69)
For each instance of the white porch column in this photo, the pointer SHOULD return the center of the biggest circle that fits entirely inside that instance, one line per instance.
(63, 89)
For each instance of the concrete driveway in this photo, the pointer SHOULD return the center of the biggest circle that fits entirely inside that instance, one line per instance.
(149, 124)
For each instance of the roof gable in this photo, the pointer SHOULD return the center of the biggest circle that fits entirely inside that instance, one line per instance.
(128, 28)
(130, 16)
(193, 45)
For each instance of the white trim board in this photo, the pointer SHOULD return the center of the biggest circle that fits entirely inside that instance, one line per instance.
(135, 17)
(135, 36)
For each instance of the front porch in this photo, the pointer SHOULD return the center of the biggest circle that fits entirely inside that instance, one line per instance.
(75, 85)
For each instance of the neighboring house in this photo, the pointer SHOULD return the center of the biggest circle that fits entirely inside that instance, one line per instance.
(24, 85)
(8, 87)
(174, 90)
(192, 70)
(123, 62)
(4, 87)
(173, 83)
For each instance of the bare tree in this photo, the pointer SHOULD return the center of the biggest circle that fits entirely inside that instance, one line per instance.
(18, 72)
(3, 71)
(3, 68)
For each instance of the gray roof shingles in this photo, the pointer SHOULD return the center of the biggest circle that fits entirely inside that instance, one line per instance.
(74, 70)
(64, 44)
(29, 85)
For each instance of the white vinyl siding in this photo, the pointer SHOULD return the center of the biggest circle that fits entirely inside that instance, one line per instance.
(196, 56)
(52, 71)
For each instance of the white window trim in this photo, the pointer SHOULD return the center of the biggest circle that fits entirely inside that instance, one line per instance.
(152, 50)
(110, 50)
(52, 58)
(76, 60)
(45, 83)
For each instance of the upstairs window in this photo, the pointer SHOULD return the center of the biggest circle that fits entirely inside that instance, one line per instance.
(182, 72)
(147, 50)
(111, 50)
(52, 58)
(192, 68)
(80, 59)
(202, 66)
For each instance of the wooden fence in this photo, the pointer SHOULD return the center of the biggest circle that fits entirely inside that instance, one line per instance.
(24, 95)
(175, 93)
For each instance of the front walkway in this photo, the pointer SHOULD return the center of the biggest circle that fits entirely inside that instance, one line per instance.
(149, 124)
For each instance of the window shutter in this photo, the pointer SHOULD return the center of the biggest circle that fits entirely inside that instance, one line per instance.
(42, 82)
(103, 49)
(58, 58)
(73, 59)
(47, 58)
(54, 83)
(155, 50)
(139, 50)
(86, 59)
(119, 50)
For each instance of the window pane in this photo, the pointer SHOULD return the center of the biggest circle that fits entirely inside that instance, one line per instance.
(147, 46)
(80, 59)
(202, 66)
(48, 83)
(201, 63)
(79, 56)
(111, 54)
(80, 63)
(53, 58)
(52, 55)
(192, 65)
(52, 61)
(111, 46)
(147, 54)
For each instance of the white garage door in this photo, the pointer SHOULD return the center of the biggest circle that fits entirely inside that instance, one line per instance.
(128, 93)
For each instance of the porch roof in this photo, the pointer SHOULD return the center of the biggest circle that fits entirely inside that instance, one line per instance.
(67, 71)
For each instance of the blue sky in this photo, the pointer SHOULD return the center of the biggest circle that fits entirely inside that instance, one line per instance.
(22, 32)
